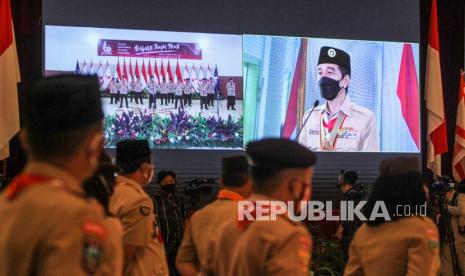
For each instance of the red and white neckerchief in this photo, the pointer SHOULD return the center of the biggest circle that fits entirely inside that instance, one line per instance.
(329, 128)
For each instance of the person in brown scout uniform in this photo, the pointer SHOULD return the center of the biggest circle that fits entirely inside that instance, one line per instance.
(142, 243)
(101, 186)
(236, 185)
(408, 243)
(339, 124)
(48, 225)
(282, 171)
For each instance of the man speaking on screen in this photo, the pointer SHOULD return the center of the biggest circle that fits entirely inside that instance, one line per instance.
(339, 124)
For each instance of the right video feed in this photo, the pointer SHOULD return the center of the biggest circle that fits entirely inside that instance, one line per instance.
(332, 94)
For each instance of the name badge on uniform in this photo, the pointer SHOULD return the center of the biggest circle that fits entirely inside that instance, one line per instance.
(314, 130)
(347, 133)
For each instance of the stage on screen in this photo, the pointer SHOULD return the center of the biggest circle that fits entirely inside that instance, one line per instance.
(178, 90)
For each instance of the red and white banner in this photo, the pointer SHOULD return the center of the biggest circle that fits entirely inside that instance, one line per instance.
(436, 123)
(149, 49)
(9, 77)
(408, 93)
(458, 159)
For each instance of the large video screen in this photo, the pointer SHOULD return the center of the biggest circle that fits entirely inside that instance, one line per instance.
(178, 90)
(332, 94)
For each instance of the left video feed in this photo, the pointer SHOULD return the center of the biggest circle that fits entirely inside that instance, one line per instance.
(179, 90)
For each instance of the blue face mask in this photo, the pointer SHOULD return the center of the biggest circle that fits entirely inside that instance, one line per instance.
(329, 88)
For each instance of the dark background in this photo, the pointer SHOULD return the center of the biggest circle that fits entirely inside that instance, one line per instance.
(395, 20)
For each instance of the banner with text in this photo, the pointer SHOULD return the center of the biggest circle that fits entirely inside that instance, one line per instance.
(149, 49)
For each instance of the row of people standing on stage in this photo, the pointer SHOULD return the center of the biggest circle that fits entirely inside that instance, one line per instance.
(168, 93)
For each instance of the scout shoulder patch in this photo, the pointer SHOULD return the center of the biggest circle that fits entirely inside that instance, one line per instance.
(144, 210)
(433, 238)
(95, 235)
(303, 252)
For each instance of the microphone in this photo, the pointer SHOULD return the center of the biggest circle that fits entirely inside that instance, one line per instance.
(315, 104)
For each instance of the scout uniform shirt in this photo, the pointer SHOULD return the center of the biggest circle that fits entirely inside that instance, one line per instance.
(188, 88)
(115, 237)
(49, 227)
(124, 87)
(231, 89)
(138, 86)
(134, 208)
(153, 87)
(353, 128)
(113, 87)
(211, 88)
(408, 246)
(178, 89)
(279, 247)
(203, 87)
(204, 224)
(164, 88)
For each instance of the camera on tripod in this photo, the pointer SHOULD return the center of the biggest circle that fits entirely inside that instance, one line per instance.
(198, 186)
(442, 185)
(358, 191)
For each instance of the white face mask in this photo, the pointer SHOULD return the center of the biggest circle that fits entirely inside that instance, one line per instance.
(149, 176)
(94, 148)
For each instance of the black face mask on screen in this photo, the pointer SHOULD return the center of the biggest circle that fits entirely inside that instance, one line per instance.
(329, 88)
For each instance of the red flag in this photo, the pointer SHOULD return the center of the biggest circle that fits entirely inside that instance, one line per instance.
(137, 70)
(118, 70)
(156, 71)
(290, 123)
(130, 70)
(458, 159)
(9, 77)
(162, 71)
(178, 72)
(436, 122)
(407, 90)
(125, 71)
(168, 69)
(150, 70)
(144, 72)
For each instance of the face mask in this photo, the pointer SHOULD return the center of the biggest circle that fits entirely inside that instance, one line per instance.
(329, 88)
(170, 188)
(298, 197)
(148, 176)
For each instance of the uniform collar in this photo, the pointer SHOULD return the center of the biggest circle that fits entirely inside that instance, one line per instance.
(260, 197)
(346, 106)
(46, 169)
(127, 180)
(229, 195)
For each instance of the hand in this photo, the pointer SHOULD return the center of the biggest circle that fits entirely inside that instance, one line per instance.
(339, 231)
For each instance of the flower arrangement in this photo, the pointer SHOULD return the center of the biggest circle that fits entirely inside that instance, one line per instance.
(178, 130)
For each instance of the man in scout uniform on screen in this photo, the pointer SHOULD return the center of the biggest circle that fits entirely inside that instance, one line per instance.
(339, 124)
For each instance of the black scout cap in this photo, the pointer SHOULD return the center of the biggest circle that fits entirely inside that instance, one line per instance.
(235, 165)
(130, 154)
(334, 55)
(279, 154)
(62, 103)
